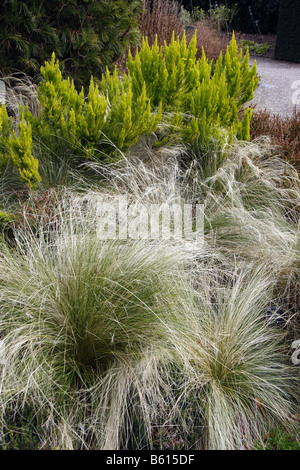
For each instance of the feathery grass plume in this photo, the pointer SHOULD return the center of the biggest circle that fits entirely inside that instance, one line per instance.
(252, 210)
(253, 194)
(163, 353)
(20, 91)
(252, 199)
(156, 352)
(86, 325)
(251, 202)
(235, 371)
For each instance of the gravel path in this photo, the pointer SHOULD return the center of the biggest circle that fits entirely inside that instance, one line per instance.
(279, 86)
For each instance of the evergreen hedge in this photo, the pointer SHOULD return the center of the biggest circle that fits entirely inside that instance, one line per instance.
(288, 37)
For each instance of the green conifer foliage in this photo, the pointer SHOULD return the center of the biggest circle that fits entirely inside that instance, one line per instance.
(96, 125)
(86, 35)
(208, 96)
(167, 91)
(16, 148)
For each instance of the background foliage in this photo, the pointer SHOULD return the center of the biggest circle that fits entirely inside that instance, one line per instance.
(86, 35)
(265, 11)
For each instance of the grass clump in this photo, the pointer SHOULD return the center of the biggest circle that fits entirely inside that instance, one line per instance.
(113, 342)
(86, 327)
(235, 367)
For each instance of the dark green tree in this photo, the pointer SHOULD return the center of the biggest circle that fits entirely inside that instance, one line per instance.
(288, 34)
(86, 35)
